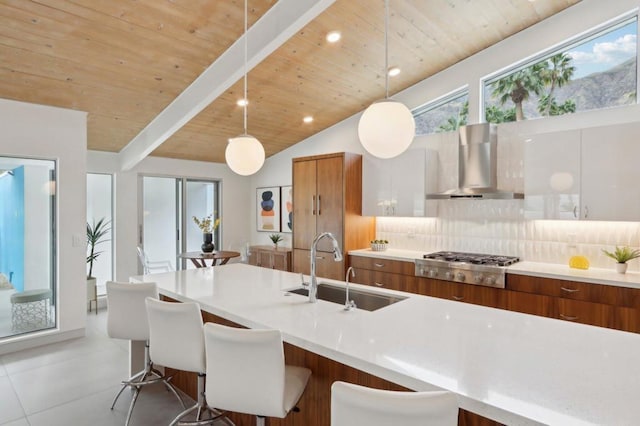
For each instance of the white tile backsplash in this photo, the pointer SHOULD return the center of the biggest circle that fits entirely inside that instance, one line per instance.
(497, 227)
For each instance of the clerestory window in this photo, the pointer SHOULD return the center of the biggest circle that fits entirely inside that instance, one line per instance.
(594, 72)
(444, 114)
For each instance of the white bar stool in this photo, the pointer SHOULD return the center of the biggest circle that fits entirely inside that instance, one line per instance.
(176, 341)
(359, 405)
(127, 319)
(251, 376)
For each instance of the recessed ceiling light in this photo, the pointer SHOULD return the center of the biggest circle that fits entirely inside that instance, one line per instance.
(242, 102)
(308, 119)
(333, 36)
(393, 71)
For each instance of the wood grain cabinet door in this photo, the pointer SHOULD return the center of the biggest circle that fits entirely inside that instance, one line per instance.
(304, 203)
(280, 261)
(529, 303)
(329, 205)
(326, 267)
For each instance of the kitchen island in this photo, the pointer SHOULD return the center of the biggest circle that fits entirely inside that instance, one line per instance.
(510, 367)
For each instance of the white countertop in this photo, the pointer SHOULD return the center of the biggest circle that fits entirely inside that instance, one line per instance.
(511, 367)
(547, 270)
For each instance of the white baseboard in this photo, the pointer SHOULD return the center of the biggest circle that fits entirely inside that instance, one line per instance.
(33, 340)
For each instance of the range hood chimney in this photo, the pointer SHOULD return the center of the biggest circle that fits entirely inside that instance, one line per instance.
(477, 165)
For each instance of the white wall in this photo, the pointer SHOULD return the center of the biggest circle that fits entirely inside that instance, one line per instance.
(504, 232)
(54, 133)
(236, 214)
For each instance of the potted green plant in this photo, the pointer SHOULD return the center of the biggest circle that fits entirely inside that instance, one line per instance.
(96, 233)
(622, 255)
(207, 225)
(379, 245)
(275, 238)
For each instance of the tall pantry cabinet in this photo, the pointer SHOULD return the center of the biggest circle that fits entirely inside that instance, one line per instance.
(327, 197)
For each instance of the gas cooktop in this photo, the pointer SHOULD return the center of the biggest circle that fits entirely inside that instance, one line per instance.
(471, 268)
(473, 258)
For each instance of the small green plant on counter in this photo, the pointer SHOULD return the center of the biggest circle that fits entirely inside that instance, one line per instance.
(275, 238)
(622, 254)
(379, 245)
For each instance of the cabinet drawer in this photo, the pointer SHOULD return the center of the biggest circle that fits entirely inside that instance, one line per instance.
(596, 293)
(467, 293)
(383, 265)
(385, 280)
(529, 303)
(597, 314)
(627, 319)
(628, 297)
(584, 312)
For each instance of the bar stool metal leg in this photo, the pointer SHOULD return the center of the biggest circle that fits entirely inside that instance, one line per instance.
(145, 377)
(201, 408)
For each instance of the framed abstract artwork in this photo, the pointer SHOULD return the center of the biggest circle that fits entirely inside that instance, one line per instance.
(268, 209)
(286, 208)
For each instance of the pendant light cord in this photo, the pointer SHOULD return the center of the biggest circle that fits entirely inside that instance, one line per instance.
(246, 101)
(386, 49)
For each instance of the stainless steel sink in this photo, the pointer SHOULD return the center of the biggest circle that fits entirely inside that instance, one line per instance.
(363, 299)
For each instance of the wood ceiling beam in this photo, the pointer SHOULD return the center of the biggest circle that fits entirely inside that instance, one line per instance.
(279, 24)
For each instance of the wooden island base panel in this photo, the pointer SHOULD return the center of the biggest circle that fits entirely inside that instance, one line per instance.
(315, 404)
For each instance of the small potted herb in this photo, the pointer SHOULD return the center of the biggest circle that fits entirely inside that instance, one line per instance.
(622, 255)
(275, 238)
(379, 245)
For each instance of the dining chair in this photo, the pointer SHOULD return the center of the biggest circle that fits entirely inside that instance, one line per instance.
(149, 267)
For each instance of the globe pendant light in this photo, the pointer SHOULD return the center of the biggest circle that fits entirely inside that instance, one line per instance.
(386, 127)
(244, 153)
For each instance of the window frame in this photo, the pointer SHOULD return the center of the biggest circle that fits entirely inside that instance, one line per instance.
(440, 101)
(578, 39)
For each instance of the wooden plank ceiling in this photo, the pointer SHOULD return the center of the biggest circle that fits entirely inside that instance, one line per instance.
(124, 61)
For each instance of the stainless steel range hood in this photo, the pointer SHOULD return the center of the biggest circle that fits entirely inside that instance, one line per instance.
(477, 166)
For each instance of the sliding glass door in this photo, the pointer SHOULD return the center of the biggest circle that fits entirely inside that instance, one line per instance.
(166, 221)
(200, 202)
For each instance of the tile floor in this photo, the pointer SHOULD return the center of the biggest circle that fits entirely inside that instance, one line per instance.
(74, 382)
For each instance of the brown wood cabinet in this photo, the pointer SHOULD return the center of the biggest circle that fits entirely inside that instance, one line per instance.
(400, 275)
(586, 303)
(327, 197)
(270, 257)
(594, 304)
(384, 273)
(315, 403)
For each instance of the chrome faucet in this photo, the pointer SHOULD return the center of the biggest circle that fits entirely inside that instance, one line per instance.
(337, 256)
(349, 304)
